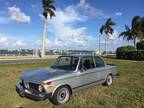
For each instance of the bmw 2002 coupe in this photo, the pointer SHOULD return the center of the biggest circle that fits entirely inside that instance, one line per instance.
(68, 75)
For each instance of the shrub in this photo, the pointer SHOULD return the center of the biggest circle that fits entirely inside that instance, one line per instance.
(140, 55)
(140, 45)
(121, 52)
(130, 54)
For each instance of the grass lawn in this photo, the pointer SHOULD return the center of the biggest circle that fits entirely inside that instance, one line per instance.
(127, 90)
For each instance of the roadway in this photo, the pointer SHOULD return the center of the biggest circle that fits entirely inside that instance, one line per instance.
(23, 61)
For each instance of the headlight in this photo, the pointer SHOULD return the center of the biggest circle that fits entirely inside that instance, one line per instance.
(47, 83)
(40, 88)
(48, 86)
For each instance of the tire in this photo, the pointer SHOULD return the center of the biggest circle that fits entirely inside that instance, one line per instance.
(109, 80)
(61, 95)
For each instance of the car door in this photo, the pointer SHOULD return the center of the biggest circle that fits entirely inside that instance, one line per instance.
(100, 68)
(87, 74)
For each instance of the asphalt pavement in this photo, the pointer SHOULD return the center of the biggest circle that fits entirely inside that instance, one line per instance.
(23, 61)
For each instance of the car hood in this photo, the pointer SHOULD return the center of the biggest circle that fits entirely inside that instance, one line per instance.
(41, 75)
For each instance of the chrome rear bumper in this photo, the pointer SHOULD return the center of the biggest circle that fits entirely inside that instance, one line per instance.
(28, 94)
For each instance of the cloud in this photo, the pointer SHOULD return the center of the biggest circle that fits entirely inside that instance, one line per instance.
(18, 43)
(114, 35)
(118, 13)
(3, 40)
(18, 16)
(66, 35)
(85, 7)
(114, 41)
(9, 43)
(89, 9)
(111, 39)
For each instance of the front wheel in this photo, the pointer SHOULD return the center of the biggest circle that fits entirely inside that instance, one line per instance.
(109, 80)
(61, 95)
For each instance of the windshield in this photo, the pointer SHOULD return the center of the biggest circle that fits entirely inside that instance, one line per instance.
(66, 63)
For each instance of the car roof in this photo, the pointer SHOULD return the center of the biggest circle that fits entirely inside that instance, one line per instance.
(78, 55)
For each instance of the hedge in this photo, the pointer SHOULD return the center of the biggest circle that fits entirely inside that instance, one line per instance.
(140, 45)
(132, 55)
(120, 53)
(129, 53)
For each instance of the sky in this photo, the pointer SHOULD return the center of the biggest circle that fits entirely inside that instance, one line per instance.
(75, 27)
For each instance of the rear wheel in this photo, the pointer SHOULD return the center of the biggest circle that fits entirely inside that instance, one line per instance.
(61, 95)
(109, 80)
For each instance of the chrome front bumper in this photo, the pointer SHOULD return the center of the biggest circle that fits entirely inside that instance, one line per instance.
(28, 94)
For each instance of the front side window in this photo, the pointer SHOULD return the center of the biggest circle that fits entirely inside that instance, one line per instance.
(87, 63)
(99, 62)
(66, 63)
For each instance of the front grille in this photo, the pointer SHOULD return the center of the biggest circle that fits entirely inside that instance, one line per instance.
(30, 85)
(33, 86)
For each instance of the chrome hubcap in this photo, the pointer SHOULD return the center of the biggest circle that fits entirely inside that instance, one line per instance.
(109, 80)
(63, 95)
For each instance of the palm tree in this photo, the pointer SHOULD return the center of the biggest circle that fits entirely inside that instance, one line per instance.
(107, 29)
(141, 28)
(134, 32)
(48, 10)
(135, 28)
(142, 25)
(99, 45)
(127, 34)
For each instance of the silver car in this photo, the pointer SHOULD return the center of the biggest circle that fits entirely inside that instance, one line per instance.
(68, 75)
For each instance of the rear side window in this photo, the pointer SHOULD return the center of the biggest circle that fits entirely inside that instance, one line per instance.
(99, 62)
(74, 61)
(87, 63)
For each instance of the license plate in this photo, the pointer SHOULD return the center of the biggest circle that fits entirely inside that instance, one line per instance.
(27, 91)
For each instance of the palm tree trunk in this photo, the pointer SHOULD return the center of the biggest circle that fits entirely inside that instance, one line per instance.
(134, 42)
(44, 39)
(99, 46)
(128, 42)
(105, 45)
